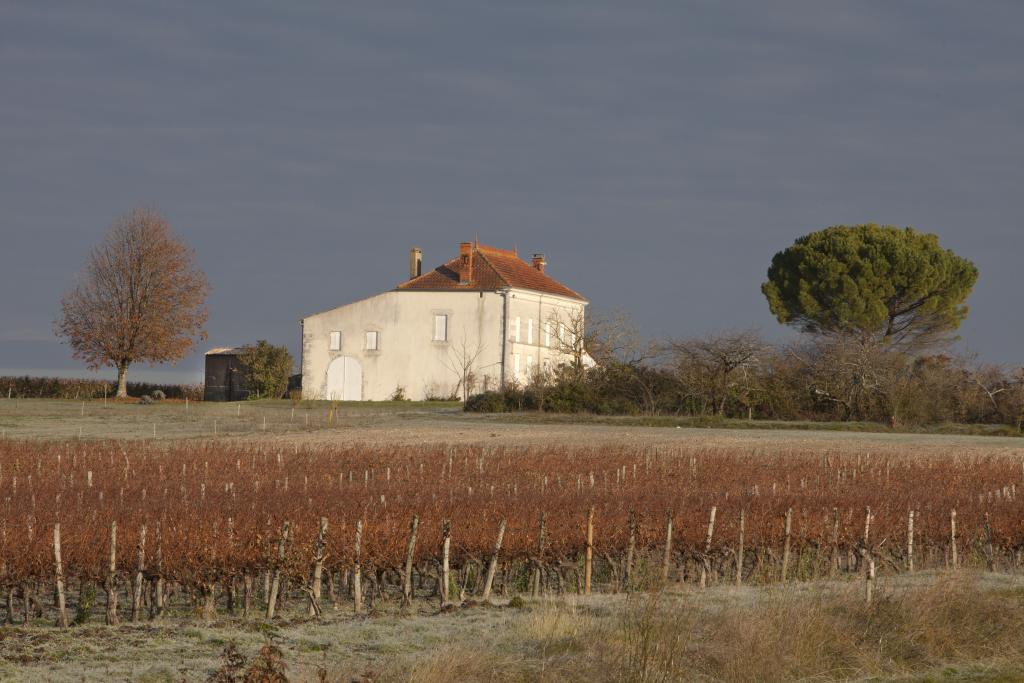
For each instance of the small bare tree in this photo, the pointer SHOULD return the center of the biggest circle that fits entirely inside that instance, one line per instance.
(719, 363)
(140, 298)
(859, 376)
(570, 341)
(461, 360)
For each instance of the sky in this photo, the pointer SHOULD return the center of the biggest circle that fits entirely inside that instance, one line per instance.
(658, 153)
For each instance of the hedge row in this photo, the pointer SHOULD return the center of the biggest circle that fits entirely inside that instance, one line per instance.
(85, 389)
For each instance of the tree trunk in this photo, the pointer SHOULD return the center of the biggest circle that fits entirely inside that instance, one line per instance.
(122, 379)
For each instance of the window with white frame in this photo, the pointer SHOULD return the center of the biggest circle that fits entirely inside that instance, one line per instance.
(529, 367)
(529, 330)
(515, 330)
(546, 366)
(515, 364)
(372, 340)
(335, 344)
(441, 327)
(547, 333)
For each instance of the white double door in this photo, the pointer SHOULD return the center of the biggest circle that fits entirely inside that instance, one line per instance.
(345, 379)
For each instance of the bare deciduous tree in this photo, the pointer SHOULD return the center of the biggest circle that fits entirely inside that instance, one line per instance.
(570, 341)
(462, 359)
(719, 361)
(140, 298)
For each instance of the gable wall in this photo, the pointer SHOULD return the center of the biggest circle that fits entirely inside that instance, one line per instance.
(408, 357)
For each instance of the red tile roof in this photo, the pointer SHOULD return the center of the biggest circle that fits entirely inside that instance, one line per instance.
(492, 269)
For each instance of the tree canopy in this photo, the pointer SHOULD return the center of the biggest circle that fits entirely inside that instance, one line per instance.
(140, 298)
(893, 285)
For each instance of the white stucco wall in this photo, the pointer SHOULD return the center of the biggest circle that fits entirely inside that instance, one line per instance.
(407, 355)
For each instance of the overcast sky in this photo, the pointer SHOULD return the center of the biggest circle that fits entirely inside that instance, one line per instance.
(659, 154)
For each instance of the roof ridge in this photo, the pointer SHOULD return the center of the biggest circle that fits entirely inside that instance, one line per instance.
(498, 250)
(490, 265)
(495, 269)
(522, 263)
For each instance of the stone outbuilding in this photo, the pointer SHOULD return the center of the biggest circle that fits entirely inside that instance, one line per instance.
(224, 376)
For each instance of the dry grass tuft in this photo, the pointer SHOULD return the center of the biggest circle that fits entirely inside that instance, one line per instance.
(815, 635)
(807, 634)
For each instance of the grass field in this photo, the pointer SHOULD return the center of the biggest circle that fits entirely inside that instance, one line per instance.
(930, 626)
(934, 627)
(410, 423)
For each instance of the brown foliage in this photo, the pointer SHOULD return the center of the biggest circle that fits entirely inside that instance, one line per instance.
(140, 298)
(221, 508)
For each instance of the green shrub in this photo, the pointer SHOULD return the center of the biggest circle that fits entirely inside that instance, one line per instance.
(267, 369)
(487, 402)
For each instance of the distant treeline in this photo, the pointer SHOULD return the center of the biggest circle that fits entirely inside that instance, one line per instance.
(86, 389)
(739, 375)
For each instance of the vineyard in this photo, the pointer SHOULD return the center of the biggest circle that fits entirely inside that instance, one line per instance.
(204, 528)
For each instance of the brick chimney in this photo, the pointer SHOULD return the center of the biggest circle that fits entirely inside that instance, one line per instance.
(465, 263)
(415, 262)
(538, 262)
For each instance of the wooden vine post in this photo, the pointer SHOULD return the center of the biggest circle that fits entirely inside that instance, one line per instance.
(446, 575)
(910, 541)
(834, 559)
(952, 537)
(26, 586)
(630, 552)
(538, 563)
(316, 581)
(138, 580)
(739, 550)
(246, 594)
(157, 605)
(493, 566)
(705, 568)
(666, 561)
(786, 543)
(410, 551)
(357, 571)
(868, 558)
(110, 583)
(588, 562)
(275, 580)
(990, 557)
(58, 572)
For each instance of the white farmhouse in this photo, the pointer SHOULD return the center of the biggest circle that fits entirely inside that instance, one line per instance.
(481, 320)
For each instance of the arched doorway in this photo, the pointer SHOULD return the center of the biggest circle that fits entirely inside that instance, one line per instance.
(345, 379)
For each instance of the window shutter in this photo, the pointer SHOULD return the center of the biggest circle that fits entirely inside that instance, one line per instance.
(515, 335)
(440, 328)
(529, 330)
